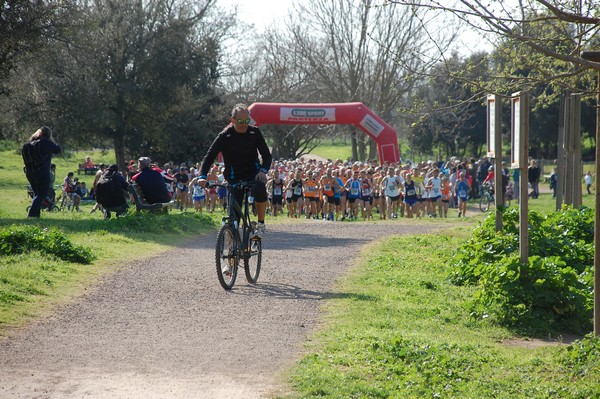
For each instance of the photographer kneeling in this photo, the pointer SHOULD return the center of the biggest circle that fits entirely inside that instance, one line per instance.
(110, 192)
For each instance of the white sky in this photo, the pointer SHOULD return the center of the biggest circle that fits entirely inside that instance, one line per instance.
(261, 13)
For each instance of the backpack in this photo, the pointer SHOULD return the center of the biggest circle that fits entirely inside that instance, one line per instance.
(32, 156)
(108, 191)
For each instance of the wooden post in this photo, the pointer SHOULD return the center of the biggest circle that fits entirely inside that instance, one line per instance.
(560, 160)
(569, 183)
(494, 141)
(576, 136)
(519, 157)
(595, 56)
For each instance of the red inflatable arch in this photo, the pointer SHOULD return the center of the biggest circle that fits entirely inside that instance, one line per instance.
(333, 114)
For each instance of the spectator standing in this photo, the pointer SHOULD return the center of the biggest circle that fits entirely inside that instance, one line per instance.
(70, 190)
(51, 192)
(588, 179)
(533, 177)
(516, 175)
(101, 169)
(37, 156)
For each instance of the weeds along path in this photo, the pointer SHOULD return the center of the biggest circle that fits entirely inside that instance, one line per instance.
(165, 328)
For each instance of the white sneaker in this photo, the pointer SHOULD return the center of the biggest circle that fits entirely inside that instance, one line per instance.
(260, 230)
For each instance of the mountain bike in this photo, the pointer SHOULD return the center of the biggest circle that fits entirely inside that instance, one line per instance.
(236, 239)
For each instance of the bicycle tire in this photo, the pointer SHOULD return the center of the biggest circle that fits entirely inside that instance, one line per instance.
(54, 208)
(484, 203)
(63, 203)
(252, 257)
(227, 256)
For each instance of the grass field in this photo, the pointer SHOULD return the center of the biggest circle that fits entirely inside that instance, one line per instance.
(397, 329)
(32, 282)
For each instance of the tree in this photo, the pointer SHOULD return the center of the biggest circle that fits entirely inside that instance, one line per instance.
(26, 26)
(355, 51)
(538, 49)
(141, 74)
(446, 113)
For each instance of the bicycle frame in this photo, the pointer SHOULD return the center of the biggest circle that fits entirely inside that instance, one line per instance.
(234, 209)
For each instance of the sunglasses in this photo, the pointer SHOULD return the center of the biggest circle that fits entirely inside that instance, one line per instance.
(242, 121)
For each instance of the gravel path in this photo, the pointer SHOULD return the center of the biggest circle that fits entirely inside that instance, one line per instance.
(165, 328)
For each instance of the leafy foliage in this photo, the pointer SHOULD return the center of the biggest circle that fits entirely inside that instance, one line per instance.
(582, 357)
(18, 239)
(554, 289)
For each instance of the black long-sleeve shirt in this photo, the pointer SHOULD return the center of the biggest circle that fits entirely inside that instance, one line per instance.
(240, 154)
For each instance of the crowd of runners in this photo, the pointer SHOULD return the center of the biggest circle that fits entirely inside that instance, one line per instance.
(340, 190)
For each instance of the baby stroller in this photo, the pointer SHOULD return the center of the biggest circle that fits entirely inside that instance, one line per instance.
(48, 204)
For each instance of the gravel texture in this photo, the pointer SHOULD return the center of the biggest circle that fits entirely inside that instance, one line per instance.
(164, 328)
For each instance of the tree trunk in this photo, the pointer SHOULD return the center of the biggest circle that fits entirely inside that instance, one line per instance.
(361, 148)
(119, 144)
(354, 147)
(373, 150)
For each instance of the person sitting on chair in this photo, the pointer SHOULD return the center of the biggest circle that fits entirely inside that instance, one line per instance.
(151, 182)
(88, 166)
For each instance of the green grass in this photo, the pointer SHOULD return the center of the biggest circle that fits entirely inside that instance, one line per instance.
(396, 328)
(32, 282)
(337, 150)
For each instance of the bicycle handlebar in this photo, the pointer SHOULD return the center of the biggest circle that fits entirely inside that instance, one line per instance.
(240, 184)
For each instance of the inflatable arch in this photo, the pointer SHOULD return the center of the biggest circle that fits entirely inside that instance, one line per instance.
(332, 114)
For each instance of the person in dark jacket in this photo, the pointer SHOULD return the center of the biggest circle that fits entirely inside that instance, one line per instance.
(241, 144)
(116, 201)
(151, 182)
(38, 174)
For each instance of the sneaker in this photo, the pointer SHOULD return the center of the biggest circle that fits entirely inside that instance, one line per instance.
(260, 230)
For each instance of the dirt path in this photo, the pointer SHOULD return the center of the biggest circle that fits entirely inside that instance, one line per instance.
(165, 328)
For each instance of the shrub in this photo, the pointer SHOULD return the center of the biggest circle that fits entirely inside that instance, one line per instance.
(582, 357)
(552, 290)
(18, 239)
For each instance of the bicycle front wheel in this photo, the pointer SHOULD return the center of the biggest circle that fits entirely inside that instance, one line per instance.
(252, 257)
(484, 203)
(227, 257)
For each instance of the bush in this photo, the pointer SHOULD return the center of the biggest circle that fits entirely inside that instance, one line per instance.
(554, 290)
(18, 239)
(582, 357)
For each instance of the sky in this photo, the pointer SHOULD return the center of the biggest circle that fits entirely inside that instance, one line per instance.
(261, 13)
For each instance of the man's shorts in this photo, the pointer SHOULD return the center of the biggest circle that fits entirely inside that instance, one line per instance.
(394, 198)
(410, 201)
(277, 200)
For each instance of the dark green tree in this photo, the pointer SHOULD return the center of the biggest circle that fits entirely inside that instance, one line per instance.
(25, 27)
(137, 76)
(446, 112)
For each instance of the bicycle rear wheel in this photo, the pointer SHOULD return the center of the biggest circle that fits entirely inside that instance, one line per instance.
(227, 257)
(484, 203)
(252, 257)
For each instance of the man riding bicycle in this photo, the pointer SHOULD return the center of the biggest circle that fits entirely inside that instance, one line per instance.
(240, 145)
